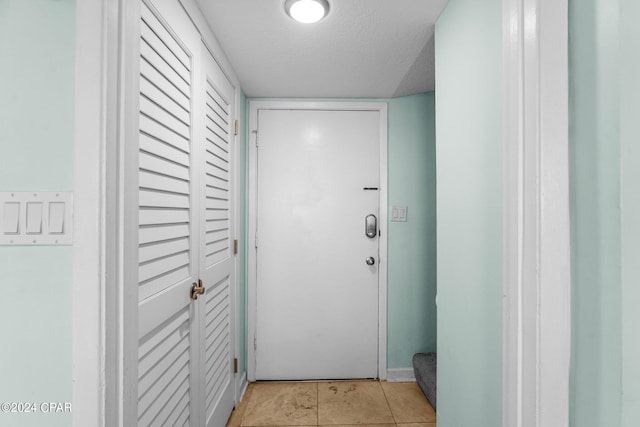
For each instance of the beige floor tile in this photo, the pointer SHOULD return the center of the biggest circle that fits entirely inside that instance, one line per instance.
(282, 404)
(416, 425)
(352, 403)
(360, 425)
(408, 404)
(238, 411)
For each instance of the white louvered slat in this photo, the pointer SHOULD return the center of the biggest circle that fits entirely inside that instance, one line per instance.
(216, 115)
(167, 55)
(163, 249)
(159, 97)
(155, 163)
(146, 356)
(159, 234)
(159, 283)
(175, 356)
(215, 181)
(149, 74)
(216, 139)
(217, 204)
(159, 29)
(214, 98)
(157, 130)
(166, 118)
(217, 224)
(216, 134)
(163, 199)
(164, 150)
(216, 148)
(173, 405)
(217, 215)
(176, 77)
(217, 193)
(177, 385)
(163, 216)
(153, 181)
(161, 266)
(217, 162)
(174, 419)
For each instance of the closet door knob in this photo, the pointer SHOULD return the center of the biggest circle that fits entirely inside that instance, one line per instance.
(197, 289)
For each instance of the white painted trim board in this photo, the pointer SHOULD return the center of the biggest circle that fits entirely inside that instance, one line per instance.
(94, 344)
(401, 375)
(536, 250)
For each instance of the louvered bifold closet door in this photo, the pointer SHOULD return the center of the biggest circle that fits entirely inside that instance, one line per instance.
(217, 261)
(168, 250)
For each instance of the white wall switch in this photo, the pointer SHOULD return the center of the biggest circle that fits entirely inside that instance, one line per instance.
(399, 214)
(56, 218)
(11, 218)
(36, 218)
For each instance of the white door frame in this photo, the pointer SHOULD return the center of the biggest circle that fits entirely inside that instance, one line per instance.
(535, 391)
(254, 106)
(536, 257)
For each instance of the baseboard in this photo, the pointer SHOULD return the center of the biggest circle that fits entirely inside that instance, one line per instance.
(400, 375)
(242, 387)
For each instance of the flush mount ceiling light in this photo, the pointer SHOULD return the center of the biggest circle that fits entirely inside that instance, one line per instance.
(306, 11)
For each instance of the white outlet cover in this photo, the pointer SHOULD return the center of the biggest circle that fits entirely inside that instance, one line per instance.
(399, 214)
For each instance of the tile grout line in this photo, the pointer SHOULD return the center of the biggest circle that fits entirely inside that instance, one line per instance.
(388, 404)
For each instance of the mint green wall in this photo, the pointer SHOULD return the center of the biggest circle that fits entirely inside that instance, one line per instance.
(37, 40)
(469, 213)
(630, 179)
(604, 59)
(412, 244)
(411, 325)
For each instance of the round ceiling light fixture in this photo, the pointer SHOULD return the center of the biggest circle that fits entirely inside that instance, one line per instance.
(306, 11)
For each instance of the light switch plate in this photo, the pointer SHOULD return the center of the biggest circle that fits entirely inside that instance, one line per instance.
(399, 214)
(36, 218)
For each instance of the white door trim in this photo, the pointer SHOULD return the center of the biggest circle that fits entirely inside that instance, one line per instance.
(94, 349)
(254, 106)
(536, 258)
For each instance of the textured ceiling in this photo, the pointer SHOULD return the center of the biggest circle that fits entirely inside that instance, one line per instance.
(362, 49)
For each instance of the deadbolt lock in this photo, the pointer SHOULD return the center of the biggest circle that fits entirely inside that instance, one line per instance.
(197, 289)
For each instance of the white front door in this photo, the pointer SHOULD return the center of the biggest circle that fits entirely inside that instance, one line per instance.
(318, 178)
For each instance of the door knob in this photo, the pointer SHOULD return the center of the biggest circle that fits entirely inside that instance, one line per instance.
(371, 260)
(197, 289)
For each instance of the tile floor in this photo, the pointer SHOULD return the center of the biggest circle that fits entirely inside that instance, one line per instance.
(336, 404)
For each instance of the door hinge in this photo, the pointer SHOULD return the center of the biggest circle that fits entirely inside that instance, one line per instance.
(255, 343)
(256, 132)
(235, 247)
(256, 240)
(235, 366)
(235, 127)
